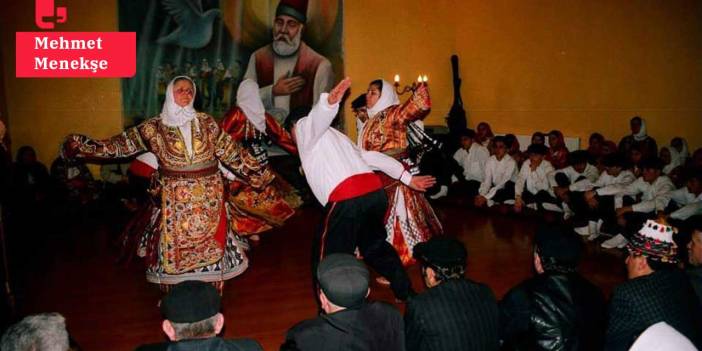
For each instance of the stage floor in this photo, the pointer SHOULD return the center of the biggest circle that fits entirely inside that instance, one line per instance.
(110, 306)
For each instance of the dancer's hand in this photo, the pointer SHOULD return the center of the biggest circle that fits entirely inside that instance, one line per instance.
(338, 92)
(71, 146)
(422, 183)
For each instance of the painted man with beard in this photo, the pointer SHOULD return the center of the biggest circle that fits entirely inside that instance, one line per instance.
(291, 75)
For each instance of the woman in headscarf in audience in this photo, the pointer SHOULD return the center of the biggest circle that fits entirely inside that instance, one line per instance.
(385, 120)
(557, 151)
(678, 150)
(640, 138)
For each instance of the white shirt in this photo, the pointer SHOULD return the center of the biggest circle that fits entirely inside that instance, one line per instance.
(473, 161)
(590, 173)
(624, 178)
(534, 181)
(330, 157)
(497, 174)
(654, 197)
(691, 204)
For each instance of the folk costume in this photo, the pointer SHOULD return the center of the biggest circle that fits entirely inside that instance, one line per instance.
(192, 237)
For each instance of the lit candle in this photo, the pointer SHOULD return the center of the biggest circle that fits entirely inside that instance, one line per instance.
(397, 78)
(419, 79)
(425, 78)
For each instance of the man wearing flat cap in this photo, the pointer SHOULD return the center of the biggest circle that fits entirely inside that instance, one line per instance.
(192, 321)
(657, 290)
(557, 309)
(454, 313)
(349, 322)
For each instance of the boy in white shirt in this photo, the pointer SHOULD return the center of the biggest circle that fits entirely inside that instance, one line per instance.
(341, 178)
(500, 174)
(686, 203)
(654, 190)
(472, 157)
(533, 187)
(594, 207)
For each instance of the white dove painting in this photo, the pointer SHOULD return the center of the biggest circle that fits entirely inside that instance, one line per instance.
(211, 41)
(194, 29)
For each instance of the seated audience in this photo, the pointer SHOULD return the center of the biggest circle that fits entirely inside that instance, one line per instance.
(192, 320)
(532, 187)
(513, 149)
(648, 195)
(598, 205)
(678, 150)
(73, 181)
(472, 157)
(557, 151)
(669, 163)
(662, 337)
(640, 138)
(484, 134)
(455, 313)
(595, 147)
(39, 332)
(686, 202)
(538, 138)
(30, 179)
(578, 177)
(557, 309)
(694, 260)
(349, 322)
(657, 291)
(500, 174)
(635, 157)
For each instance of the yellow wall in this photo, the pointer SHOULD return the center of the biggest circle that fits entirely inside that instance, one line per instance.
(578, 65)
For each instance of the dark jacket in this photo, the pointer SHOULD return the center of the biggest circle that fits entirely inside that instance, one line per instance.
(209, 344)
(376, 326)
(662, 296)
(553, 311)
(455, 315)
(695, 276)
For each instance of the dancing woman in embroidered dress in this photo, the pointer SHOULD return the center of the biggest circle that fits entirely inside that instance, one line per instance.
(193, 239)
(254, 211)
(410, 217)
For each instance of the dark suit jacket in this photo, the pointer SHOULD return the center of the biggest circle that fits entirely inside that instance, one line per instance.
(204, 345)
(455, 315)
(376, 326)
(663, 296)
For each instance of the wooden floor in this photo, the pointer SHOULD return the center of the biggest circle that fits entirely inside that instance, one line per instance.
(112, 307)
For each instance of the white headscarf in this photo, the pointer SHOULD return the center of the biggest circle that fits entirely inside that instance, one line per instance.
(679, 156)
(249, 101)
(388, 97)
(172, 114)
(641, 135)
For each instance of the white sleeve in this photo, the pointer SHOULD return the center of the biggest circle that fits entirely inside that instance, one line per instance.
(687, 211)
(521, 179)
(323, 79)
(317, 122)
(487, 178)
(679, 196)
(386, 164)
